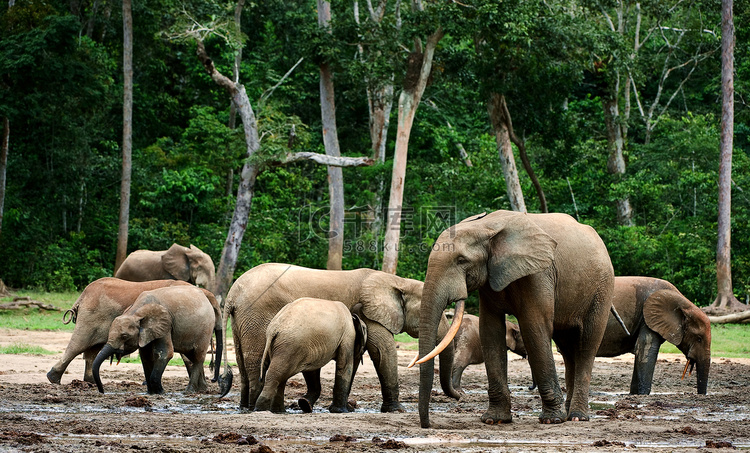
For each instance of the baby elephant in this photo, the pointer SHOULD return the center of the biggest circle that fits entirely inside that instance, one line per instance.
(304, 336)
(655, 311)
(469, 349)
(158, 324)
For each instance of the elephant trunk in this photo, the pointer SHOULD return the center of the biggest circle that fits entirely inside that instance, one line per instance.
(703, 367)
(103, 355)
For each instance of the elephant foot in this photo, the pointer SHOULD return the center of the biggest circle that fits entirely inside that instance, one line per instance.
(54, 377)
(577, 416)
(305, 405)
(337, 409)
(496, 417)
(393, 406)
(551, 417)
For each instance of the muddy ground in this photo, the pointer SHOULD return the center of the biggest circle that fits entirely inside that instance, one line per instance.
(37, 416)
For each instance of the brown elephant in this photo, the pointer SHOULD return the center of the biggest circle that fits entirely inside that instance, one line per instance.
(93, 312)
(188, 264)
(468, 346)
(389, 305)
(304, 336)
(158, 324)
(655, 311)
(549, 271)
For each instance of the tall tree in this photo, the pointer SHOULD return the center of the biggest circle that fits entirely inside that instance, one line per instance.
(417, 74)
(725, 299)
(331, 143)
(499, 117)
(3, 166)
(127, 132)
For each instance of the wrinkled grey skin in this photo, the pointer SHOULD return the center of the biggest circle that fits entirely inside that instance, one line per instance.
(93, 312)
(549, 271)
(158, 324)
(468, 346)
(188, 264)
(655, 311)
(303, 337)
(389, 305)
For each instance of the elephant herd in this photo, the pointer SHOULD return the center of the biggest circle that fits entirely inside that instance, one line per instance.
(549, 271)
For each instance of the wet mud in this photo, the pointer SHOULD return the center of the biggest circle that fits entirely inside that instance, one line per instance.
(36, 416)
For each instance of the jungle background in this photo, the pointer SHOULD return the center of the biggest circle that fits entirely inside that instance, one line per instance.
(559, 65)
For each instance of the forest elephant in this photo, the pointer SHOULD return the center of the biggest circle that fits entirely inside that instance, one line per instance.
(655, 311)
(304, 336)
(93, 312)
(468, 347)
(389, 305)
(188, 264)
(158, 324)
(549, 271)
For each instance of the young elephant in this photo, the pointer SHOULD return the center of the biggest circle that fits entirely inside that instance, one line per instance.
(161, 322)
(469, 348)
(304, 336)
(655, 311)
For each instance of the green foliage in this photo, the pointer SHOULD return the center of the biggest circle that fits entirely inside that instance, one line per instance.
(22, 348)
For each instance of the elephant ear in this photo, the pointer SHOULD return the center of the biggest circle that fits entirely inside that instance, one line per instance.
(518, 247)
(175, 261)
(360, 338)
(383, 300)
(156, 322)
(663, 314)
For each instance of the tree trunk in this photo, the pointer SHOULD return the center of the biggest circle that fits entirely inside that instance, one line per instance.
(380, 103)
(249, 172)
(616, 161)
(415, 82)
(725, 298)
(127, 132)
(331, 143)
(505, 151)
(4, 166)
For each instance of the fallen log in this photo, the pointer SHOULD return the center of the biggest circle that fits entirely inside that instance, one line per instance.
(733, 318)
(27, 302)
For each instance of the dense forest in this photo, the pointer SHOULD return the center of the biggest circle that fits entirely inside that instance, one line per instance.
(613, 105)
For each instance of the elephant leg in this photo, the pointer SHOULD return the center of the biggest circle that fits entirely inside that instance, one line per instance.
(458, 371)
(646, 352)
(312, 379)
(240, 358)
(250, 341)
(272, 396)
(342, 383)
(78, 343)
(537, 333)
(492, 336)
(570, 366)
(382, 350)
(88, 357)
(197, 383)
(162, 353)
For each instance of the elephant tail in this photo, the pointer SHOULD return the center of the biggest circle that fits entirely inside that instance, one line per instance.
(73, 312)
(266, 361)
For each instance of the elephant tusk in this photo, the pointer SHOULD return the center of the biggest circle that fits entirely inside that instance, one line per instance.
(457, 317)
(685, 370)
(413, 361)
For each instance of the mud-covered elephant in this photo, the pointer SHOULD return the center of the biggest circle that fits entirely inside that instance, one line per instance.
(468, 346)
(549, 271)
(304, 336)
(188, 264)
(158, 324)
(655, 311)
(93, 312)
(389, 305)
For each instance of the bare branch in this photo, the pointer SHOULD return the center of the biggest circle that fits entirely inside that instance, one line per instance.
(266, 94)
(324, 159)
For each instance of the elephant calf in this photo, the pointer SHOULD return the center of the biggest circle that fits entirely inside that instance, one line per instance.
(161, 322)
(304, 336)
(655, 311)
(468, 348)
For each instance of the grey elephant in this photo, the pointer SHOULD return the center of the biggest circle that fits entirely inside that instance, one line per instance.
(655, 311)
(93, 312)
(304, 336)
(188, 264)
(390, 305)
(468, 347)
(158, 324)
(549, 271)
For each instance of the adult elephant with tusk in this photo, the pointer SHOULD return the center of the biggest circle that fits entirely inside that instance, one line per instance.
(553, 273)
(389, 305)
(655, 311)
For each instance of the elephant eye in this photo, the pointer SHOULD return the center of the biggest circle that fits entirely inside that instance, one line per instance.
(700, 340)
(461, 259)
